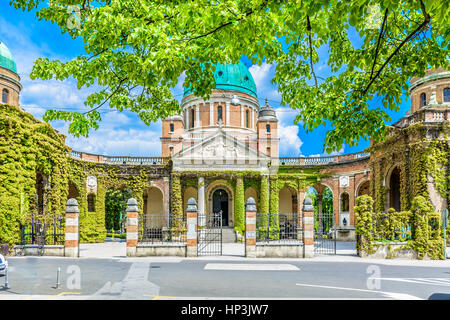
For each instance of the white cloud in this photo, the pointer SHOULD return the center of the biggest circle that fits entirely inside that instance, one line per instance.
(263, 75)
(116, 137)
(290, 142)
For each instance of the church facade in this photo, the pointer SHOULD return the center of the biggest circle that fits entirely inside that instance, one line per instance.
(223, 151)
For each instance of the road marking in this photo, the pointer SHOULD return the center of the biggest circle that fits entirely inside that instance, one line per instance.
(251, 267)
(63, 294)
(156, 297)
(429, 281)
(393, 295)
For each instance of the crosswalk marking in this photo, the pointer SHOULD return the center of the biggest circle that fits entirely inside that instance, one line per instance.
(430, 281)
(251, 267)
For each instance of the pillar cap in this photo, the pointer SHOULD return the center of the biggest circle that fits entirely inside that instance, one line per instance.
(191, 205)
(307, 205)
(132, 205)
(72, 206)
(250, 206)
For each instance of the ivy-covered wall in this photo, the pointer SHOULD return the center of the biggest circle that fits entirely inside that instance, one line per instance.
(135, 178)
(421, 152)
(28, 146)
(419, 227)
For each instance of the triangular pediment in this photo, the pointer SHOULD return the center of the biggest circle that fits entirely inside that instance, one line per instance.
(219, 151)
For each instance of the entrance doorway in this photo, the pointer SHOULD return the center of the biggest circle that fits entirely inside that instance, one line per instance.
(220, 204)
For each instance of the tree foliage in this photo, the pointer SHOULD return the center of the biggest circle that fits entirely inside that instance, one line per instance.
(136, 51)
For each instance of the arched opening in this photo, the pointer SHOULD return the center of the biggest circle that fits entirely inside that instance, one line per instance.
(40, 192)
(189, 192)
(394, 189)
(154, 208)
(423, 100)
(219, 114)
(323, 207)
(247, 118)
(5, 96)
(191, 124)
(251, 192)
(73, 191)
(287, 201)
(115, 209)
(220, 204)
(364, 189)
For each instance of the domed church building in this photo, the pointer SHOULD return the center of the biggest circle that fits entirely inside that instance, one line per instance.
(221, 152)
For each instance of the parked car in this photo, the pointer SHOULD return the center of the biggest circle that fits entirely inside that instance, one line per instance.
(3, 263)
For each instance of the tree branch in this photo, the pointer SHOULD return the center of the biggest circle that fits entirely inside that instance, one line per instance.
(308, 27)
(378, 43)
(427, 19)
(107, 99)
(221, 26)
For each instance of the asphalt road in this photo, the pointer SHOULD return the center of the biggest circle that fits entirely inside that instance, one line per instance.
(171, 278)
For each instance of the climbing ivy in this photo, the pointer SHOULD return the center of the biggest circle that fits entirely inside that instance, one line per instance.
(420, 227)
(26, 147)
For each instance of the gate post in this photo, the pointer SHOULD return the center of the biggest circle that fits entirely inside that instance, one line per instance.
(132, 227)
(191, 221)
(250, 228)
(71, 240)
(308, 229)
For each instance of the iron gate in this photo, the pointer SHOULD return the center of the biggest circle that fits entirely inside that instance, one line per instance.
(209, 234)
(324, 234)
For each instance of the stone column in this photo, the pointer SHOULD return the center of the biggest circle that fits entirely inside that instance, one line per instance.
(227, 113)
(71, 245)
(201, 202)
(132, 227)
(250, 228)
(308, 228)
(191, 221)
(211, 114)
(197, 116)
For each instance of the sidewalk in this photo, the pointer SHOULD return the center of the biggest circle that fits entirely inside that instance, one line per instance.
(345, 252)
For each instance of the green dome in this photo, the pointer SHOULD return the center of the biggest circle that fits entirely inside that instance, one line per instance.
(232, 77)
(6, 58)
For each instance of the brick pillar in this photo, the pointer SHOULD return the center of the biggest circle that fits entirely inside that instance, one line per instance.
(250, 228)
(191, 221)
(71, 237)
(308, 228)
(132, 227)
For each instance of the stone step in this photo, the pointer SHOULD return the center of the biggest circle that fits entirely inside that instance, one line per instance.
(228, 235)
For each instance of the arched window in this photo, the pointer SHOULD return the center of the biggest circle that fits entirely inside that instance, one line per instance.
(447, 95)
(268, 128)
(192, 118)
(246, 119)
(5, 96)
(219, 114)
(394, 189)
(423, 100)
(171, 127)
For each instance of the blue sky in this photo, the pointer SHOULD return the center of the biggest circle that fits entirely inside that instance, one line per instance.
(123, 133)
